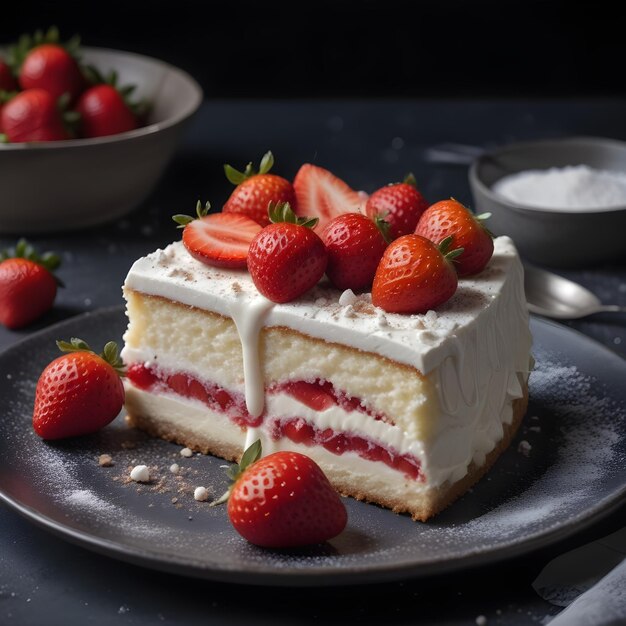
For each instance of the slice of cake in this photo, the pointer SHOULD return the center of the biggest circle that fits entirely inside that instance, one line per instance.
(407, 411)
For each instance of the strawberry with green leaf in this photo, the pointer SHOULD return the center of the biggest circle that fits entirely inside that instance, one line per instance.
(42, 61)
(35, 115)
(106, 108)
(450, 218)
(355, 245)
(415, 275)
(80, 392)
(283, 500)
(399, 204)
(286, 258)
(256, 189)
(27, 286)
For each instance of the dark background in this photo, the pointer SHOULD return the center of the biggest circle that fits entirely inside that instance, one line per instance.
(348, 48)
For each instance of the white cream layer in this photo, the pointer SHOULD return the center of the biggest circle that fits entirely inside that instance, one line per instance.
(190, 415)
(474, 350)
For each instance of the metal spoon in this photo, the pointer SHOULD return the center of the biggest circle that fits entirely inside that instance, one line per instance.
(553, 296)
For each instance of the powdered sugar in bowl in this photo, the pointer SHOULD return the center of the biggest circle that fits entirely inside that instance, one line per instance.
(563, 201)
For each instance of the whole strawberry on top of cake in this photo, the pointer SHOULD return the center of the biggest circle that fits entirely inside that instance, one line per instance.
(401, 379)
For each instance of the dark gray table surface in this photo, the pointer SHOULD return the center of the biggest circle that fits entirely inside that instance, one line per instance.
(43, 579)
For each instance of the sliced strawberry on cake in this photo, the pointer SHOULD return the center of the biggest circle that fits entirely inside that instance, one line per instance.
(219, 239)
(321, 194)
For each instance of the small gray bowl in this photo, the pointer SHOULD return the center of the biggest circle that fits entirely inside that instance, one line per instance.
(552, 237)
(66, 185)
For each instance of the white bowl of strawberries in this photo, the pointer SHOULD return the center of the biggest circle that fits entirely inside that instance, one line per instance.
(85, 133)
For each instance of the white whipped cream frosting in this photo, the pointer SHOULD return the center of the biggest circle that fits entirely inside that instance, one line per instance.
(475, 382)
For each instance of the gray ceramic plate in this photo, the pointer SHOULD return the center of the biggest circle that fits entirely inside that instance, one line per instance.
(571, 476)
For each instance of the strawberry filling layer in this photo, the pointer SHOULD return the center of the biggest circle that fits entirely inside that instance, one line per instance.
(300, 431)
(215, 397)
(317, 395)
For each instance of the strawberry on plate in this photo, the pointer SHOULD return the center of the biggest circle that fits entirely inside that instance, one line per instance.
(283, 500)
(27, 286)
(415, 275)
(78, 393)
(218, 239)
(34, 115)
(399, 204)
(286, 258)
(255, 190)
(450, 218)
(319, 193)
(355, 245)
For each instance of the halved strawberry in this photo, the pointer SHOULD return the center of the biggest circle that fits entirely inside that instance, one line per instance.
(319, 193)
(218, 239)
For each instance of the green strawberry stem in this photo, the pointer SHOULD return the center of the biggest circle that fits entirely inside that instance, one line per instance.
(282, 212)
(182, 220)
(444, 248)
(24, 250)
(236, 177)
(251, 455)
(109, 354)
(409, 179)
(383, 227)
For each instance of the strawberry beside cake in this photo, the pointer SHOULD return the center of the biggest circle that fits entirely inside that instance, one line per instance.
(406, 410)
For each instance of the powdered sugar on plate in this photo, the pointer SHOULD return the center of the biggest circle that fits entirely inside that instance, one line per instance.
(584, 446)
(87, 499)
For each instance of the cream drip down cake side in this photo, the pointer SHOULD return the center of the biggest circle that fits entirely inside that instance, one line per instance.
(406, 411)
